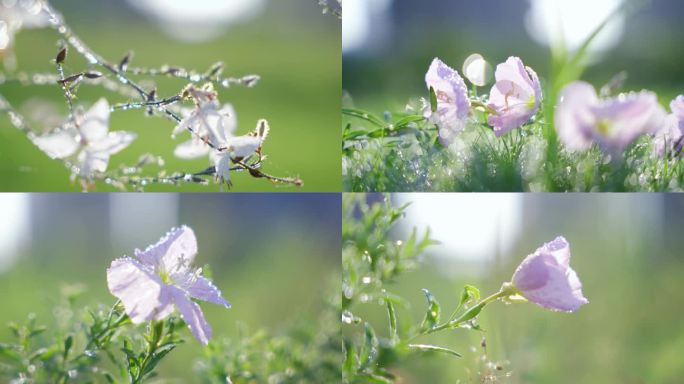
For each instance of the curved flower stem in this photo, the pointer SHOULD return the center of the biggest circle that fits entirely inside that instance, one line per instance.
(469, 314)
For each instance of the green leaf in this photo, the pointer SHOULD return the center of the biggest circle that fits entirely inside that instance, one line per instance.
(369, 352)
(108, 376)
(363, 115)
(432, 313)
(351, 135)
(433, 100)
(372, 378)
(470, 294)
(408, 120)
(471, 313)
(10, 352)
(156, 358)
(391, 313)
(434, 348)
(37, 331)
(37, 354)
(350, 362)
(68, 343)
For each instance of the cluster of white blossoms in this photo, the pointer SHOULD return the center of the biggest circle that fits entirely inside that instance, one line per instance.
(213, 127)
(87, 141)
(84, 143)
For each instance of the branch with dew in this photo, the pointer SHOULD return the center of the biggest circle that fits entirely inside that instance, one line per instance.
(83, 142)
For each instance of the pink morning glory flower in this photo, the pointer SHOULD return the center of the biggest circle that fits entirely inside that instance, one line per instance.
(515, 96)
(546, 279)
(453, 104)
(582, 118)
(670, 138)
(160, 279)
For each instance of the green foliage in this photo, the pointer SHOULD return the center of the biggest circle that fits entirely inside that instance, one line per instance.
(372, 260)
(96, 345)
(388, 158)
(306, 353)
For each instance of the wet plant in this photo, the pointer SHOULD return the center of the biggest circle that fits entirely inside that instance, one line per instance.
(157, 292)
(372, 260)
(83, 140)
(524, 133)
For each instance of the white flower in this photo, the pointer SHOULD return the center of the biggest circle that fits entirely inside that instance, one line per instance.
(17, 14)
(91, 136)
(217, 127)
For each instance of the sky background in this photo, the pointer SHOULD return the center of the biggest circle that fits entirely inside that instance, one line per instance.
(390, 43)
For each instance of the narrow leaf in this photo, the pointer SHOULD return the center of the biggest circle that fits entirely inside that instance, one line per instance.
(433, 348)
(392, 319)
(68, 343)
(369, 352)
(433, 100)
(433, 311)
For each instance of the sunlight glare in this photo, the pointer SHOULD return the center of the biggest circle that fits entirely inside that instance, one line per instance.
(14, 227)
(198, 20)
(572, 21)
(359, 20)
(472, 227)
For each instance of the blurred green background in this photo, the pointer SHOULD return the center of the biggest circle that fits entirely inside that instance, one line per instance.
(274, 256)
(389, 44)
(626, 250)
(291, 45)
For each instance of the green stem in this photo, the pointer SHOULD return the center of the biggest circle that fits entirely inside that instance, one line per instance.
(477, 103)
(470, 313)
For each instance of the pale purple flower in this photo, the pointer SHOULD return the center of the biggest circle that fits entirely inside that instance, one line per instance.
(546, 279)
(161, 278)
(453, 104)
(670, 138)
(583, 119)
(515, 97)
(89, 133)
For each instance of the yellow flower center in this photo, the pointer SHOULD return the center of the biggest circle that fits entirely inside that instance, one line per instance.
(165, 277)
(603, 126)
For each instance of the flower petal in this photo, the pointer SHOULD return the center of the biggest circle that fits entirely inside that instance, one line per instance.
(515, 96)
(173, 253)
(244, 146)
(546, 279)
(558, 248)
(453, 103)
(192, 315)
(222, 164)
(138, 289)
(677, 107)
(96, 123)
(191, 149)
(204, 289)
(574, 120)
(113, 142)
(91, 161)
(58, 145)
